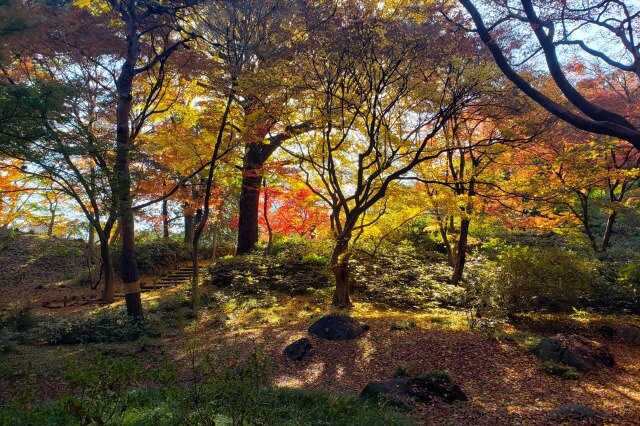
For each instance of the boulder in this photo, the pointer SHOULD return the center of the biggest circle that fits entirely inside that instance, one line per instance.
(625, 334)
(574, 350)
(628, 334)
(337, 327)
(298, 350)
(404, 392)
(578, 410)
(394, 391)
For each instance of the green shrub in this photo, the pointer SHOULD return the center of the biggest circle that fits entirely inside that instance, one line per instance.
(290, 407)
(553, 279)
(555, 369)
(401, 370)
(160, 254)
(101, 389)
(629, 281)
(528, 341)
(51, 414)
(423, 240)
(441, 375)
(96, 327)
(493, 247)
(403, 279)
(154, 256)
(17, 317)
(403, 325)
(290, 271)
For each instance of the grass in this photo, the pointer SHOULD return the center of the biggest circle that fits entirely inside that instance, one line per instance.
(528, 341)
(564, 371)
(279, 406)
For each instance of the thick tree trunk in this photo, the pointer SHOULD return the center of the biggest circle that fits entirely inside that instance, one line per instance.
(124, 145)
(249, 199)
(189, 225)
(611, 220)
(461, 252)
(340, 267)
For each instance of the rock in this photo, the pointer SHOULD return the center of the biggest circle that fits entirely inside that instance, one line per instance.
(607, 331)
(394, 391)
(578, 410)
(443, 389)
(574, 350)
(628, 334)
(405, 392)
(298, 350)
(337, 327)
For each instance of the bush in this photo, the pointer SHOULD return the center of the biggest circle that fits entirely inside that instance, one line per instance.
(17, 317)
(553, 279)
(293, 270)
(159, 254)
(403, 279)
(102, 389)
(423, 240)
(97, 327)
(629, 281)
(156, 255)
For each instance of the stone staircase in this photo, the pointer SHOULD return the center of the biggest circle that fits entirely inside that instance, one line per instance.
(182, 275)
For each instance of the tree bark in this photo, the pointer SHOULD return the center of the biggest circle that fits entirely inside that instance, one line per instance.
(124, 145)
(109, 273)
(340, 267)
(265, 213)
(608, 231)
(250, 198)
(52, 220)
(255, 156)
(165, 218)
(189, 224)
(461, 252)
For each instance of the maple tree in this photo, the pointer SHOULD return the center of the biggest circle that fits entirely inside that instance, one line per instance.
(550, 177)
(365, 74)
(553, 28)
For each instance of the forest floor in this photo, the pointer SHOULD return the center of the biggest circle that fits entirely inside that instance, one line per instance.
(505, 383)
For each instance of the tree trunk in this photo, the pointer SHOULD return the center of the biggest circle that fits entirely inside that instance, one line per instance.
(447, 243)
(109, 274)
(249, 199)
(340, 267)
(124, 145)
(214, 240)
(189, 225)
(52, 221)
(165, 219)
(265, 213)
(195, 273)
(461, 252)
(608, 230)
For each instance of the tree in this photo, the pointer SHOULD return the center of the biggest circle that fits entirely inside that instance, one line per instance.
(555, 27)
(83, 49)
(550, 177)
(154, 27)
(254, 42)
(380, 98)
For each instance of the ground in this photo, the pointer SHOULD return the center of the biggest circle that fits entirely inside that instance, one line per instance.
(504, 381)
